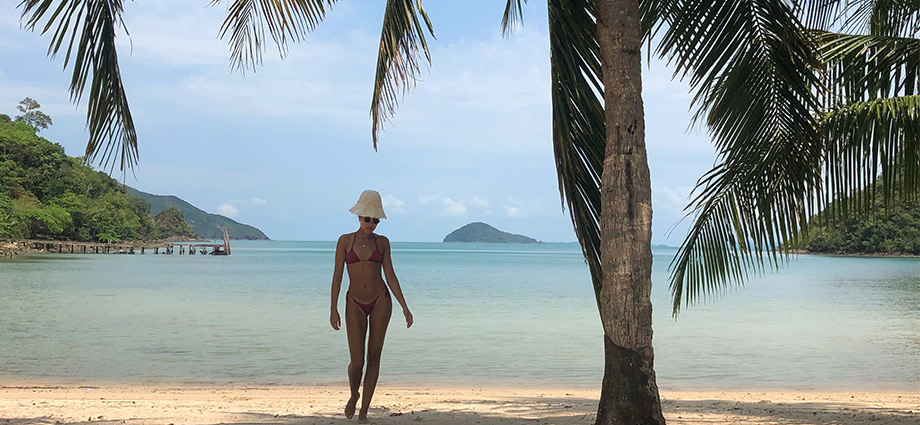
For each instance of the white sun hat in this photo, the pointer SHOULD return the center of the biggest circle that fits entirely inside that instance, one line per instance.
(369, 205)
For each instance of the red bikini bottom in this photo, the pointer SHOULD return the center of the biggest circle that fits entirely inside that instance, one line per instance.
(369, 307)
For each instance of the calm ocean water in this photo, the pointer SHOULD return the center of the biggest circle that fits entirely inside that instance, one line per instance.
(485, 315)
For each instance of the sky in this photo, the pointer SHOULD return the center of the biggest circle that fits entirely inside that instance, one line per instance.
(288, 148)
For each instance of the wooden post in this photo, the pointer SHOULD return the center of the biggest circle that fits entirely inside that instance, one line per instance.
(226, 242)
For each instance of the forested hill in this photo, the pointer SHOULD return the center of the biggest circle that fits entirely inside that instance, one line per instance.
(205, 225)
(890, 230)
(482, 232)
(45, 194)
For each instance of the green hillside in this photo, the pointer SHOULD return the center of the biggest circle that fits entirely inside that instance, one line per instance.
(205, 225)
(892, 229)
(482, 232)
(45, 194)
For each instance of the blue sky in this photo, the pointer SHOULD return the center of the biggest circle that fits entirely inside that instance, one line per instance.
(288, 148)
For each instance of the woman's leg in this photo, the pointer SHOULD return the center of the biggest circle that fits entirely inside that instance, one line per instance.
(379, 319)
(356, 328)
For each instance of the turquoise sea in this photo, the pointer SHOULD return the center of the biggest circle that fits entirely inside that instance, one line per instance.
(519, 315)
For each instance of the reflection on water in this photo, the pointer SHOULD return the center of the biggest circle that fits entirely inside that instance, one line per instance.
(485, 314)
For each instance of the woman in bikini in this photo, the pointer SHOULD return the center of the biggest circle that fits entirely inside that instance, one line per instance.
(367, 301)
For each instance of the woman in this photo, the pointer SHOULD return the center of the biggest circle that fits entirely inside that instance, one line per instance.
(367, 302)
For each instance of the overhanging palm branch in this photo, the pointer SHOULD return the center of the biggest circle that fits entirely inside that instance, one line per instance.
(88, 30)
(748, 212)
(579, 131)
(401, 41)
(875, 17)
(754, 72)
(872, 118)
(286, 20)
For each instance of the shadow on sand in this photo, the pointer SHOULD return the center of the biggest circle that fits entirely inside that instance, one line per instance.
(523, 410)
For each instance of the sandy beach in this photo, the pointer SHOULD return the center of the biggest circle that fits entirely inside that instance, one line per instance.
(43, 404)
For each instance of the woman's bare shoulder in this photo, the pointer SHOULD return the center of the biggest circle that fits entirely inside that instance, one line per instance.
(345, 238)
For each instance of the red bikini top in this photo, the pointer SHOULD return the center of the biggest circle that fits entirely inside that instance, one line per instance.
(352, 258)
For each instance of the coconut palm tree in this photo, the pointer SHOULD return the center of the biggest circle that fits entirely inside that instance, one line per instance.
(806, 101)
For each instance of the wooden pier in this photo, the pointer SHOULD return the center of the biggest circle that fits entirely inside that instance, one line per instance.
(156, 248)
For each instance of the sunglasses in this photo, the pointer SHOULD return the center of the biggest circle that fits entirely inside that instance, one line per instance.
(368, 220)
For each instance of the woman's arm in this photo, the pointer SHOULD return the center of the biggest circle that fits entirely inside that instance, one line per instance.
(334, 319)
(392, 281)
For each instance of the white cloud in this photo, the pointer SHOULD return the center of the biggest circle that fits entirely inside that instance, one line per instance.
(447, 206)
(515, 208)
(671, 199)
(228, 210)
(394, 204)
(479, 202)
(456, 209)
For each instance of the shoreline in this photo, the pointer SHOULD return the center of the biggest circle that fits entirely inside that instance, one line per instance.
(395, 404)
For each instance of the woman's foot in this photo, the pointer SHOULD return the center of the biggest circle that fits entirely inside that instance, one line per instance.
(350, 406)
(362, 417)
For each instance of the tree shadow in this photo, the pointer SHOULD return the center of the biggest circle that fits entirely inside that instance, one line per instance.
(568, 410)
(767, 412)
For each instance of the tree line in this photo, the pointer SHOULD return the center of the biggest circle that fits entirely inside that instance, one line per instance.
(45, 194)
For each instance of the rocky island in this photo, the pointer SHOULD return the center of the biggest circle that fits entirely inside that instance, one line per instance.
(482, 232)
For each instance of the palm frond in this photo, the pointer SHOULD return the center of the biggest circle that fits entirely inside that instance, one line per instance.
(401, 41)
(865, 67)
(868, 140)
(578, 120)
(652, 13)
(755, 75)
(514, 15)
(871, 81)
(872, 17)
(88, 29)
(286, 20)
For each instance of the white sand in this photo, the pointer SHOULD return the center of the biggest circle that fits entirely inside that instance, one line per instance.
(25, 404)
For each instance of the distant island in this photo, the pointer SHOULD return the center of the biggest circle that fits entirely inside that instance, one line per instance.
(482, 232)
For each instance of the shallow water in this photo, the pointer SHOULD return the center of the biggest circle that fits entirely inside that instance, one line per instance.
(485, 315)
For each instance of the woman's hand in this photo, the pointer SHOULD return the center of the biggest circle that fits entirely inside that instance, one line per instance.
(408, 315)
(335, 320)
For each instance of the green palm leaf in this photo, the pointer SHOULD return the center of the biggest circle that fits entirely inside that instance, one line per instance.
(88, 28)
(876, 17)
(514, 15)
(865, 136)
(869, 126)
(579, 131)
(401, 41)
(286, 20)
(754, 73)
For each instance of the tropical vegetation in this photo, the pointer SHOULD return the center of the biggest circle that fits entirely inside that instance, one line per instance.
(45, 194)
(807, 102)
(889, 228)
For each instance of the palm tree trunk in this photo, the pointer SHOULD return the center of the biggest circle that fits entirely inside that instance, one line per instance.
(629, 394)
